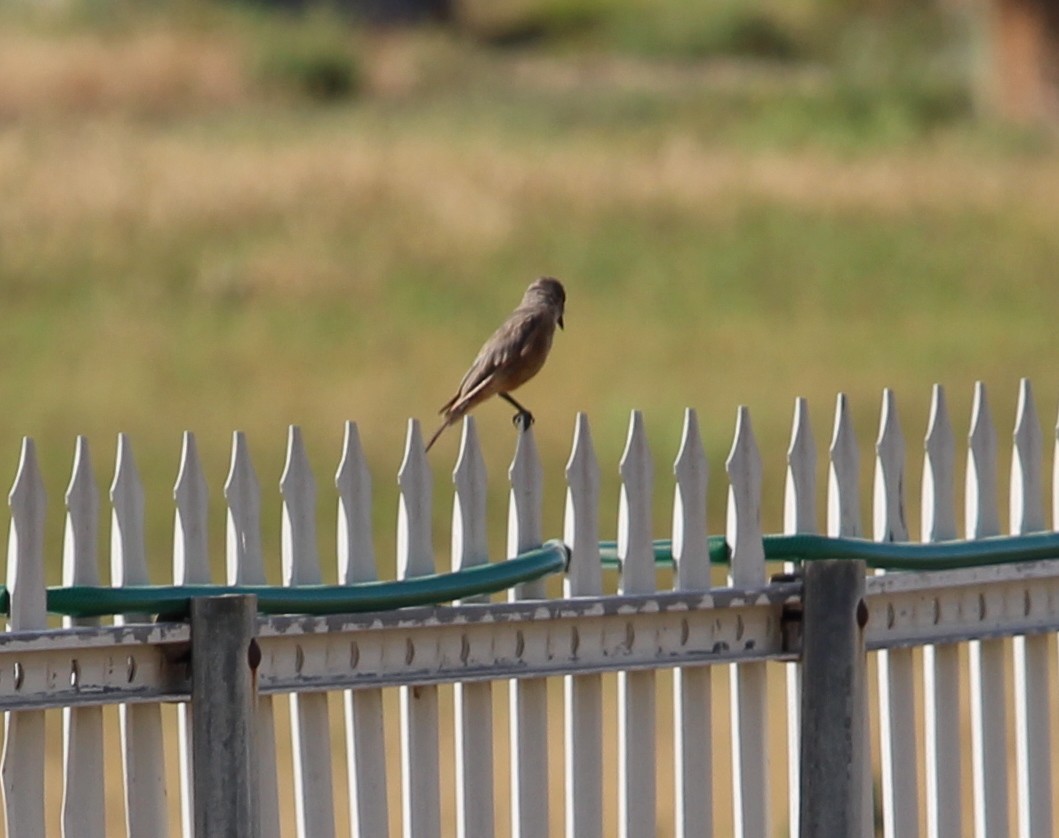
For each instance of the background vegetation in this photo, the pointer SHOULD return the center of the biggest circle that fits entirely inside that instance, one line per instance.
(216, 217)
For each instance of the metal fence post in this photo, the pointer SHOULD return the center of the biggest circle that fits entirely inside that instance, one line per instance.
(224, 655)
(834, 708)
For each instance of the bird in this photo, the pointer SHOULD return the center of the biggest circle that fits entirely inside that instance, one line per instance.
(512, 356)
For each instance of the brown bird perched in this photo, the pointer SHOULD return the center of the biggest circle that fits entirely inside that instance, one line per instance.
(512, 356)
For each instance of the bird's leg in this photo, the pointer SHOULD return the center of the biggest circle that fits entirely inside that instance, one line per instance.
(523, 419)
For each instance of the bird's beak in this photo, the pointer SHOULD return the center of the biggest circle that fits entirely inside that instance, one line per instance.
(560, 321)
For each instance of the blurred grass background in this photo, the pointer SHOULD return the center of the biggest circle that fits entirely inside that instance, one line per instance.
(218, 216)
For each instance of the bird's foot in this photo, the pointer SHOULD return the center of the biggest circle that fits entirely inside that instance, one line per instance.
(522, 420)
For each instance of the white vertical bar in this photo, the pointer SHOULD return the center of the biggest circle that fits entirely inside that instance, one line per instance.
(692, 685)
(22, 764)
(420, 793)
(244, 565)
(310, 728)
(82, 804)
(365, 739)
(897, 696)
(941, 664)
(190, 566)
(1032, 724)
(799, 516)
(636, 690)
(528, 696)
(989, 747)
(584, 693)
(143, 756)
(473, 701)
(750, 776)
(843, 519)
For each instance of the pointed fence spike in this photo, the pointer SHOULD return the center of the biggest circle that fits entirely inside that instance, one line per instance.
(744, 505)
(581, 523)
(128, 556)
(843, 492)
(691, 552)
(524, 508)
(1027, 511)
(799, 499)
(82, 520)
(25, 544)
(939, 492)
(190, 557)
(635, 547)
(982, 512)
(888, 483)
(415, 554)
(244, 561)
(356, 547)
(469, 545)
(301, 564)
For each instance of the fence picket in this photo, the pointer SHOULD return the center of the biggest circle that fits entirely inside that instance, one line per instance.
(986, 657)
(22, 763)
(244, 565)
(143, 755)
(190, 566)
(636, 690)
(692, 686)
(528, 696)
(82, 804)
(420, 794)
(843, 519)
(583, 693)
(799, 516)
(941, 664)
(365, 734)
(310, 727)
(897, 699)
(473, 701)
(750, 781)
(1030, 652)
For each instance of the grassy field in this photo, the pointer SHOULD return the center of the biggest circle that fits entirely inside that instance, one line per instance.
(213, 219)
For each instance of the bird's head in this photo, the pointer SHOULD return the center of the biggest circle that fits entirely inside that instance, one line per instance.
(550, 292)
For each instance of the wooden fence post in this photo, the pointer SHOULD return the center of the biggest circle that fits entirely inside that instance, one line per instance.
(833, 699)
(222, 716)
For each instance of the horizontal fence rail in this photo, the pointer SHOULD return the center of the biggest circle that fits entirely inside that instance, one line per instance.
(428, 629)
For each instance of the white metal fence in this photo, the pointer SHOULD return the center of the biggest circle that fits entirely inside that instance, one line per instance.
(707, 764)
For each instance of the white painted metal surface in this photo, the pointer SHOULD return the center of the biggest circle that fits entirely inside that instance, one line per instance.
(82, 805)
(310, 724)
(897, 700)
(750, 777)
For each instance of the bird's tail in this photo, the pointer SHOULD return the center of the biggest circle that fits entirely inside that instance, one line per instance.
(437, 433)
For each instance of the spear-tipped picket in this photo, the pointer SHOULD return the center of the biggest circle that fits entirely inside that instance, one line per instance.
(80, 565)
(310, 728)
(843, 493)
(469, 544)
(635, 539)
(583, 720)
(143, 757)
(581, 524)
(749, 688)
(22, 764)
(897, 699)
(981, 509)
(690, 547)
(889, 503)
(356, 547)
(799, 499)
(693, 793)
(1030, 654)
(365, 737)
(524, 508)
(941, 663)
(242, 493)
(420, 792)
(190, 558)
